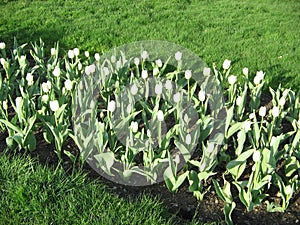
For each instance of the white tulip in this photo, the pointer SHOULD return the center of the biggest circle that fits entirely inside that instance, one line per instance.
(128, 109)
(273, 139)
(176, 97)
(54, 105)
(144, 55)
(29, 79)
(260, 74)
(97, 57)
(148, 133)
(53, 51)
(256, 80)
(288, 190)
(239, 100)
(18, 101)
(282, 101)
(160, 115)
(134, 126)
(106, 71)
(46, 86)
(247, 126)
(144, 74)
(90, 69)
(118, 64)
(251, 116)
(2, 45)
(188, 139)
(186, 118)
(262, 111)
(256, 156)
(22, 58)
(177, 159)
(71, 54)
(259, 77)
(111, 106)
(113, 59)
(49, 67)
(56, 72)
(136, 61)
(188, 74)
(158, 63)
(87, 54)
(4, 105)
(2, 61)
(155, 71)
(45, 98)
(68, 85)
(226, 64)
(79, 66)
(178, 56)
(134, 89)
(168, 84)
(245, 71)
(158, 89)
(232, 79)
(210, 147)
(275, 111)
(201, 95)
(76, 51)
(206, 71)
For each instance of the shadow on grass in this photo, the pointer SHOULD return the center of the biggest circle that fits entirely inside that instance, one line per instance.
(49, 35)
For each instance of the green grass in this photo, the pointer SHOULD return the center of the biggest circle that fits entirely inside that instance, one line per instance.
(262, 35)
(32, 194)
(35, 194)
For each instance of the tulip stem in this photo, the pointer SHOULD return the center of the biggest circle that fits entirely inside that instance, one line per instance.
(159, 134)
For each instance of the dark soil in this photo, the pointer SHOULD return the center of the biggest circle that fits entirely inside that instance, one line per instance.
(182, 204)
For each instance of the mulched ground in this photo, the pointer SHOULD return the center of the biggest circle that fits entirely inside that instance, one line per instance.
(182, 204)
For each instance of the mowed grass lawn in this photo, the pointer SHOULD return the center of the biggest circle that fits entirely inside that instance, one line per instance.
(33, 194)
(262, 35)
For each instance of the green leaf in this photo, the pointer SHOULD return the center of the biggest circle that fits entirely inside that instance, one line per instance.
(105, 161)
(30, 141)
(241, 142)
(47, 135)
(219, 191)
(233, 129)
(169, 179)
(258, 186)
(184, 151)
(194, 181)
(244, 196)
(11, 126)
(268, 161)
(11, 144)
(229, 116)
(180, 180)
(291, 165)
(71, 156)
(296, 141)
(236, 167)
(228, 209)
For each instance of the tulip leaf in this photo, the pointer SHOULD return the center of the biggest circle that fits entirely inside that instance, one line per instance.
(105, 161)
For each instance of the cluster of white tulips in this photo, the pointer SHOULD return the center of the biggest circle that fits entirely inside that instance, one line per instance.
(136, 116)
(37, 96)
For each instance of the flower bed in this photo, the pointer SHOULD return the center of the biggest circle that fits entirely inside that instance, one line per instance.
(140, 120)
